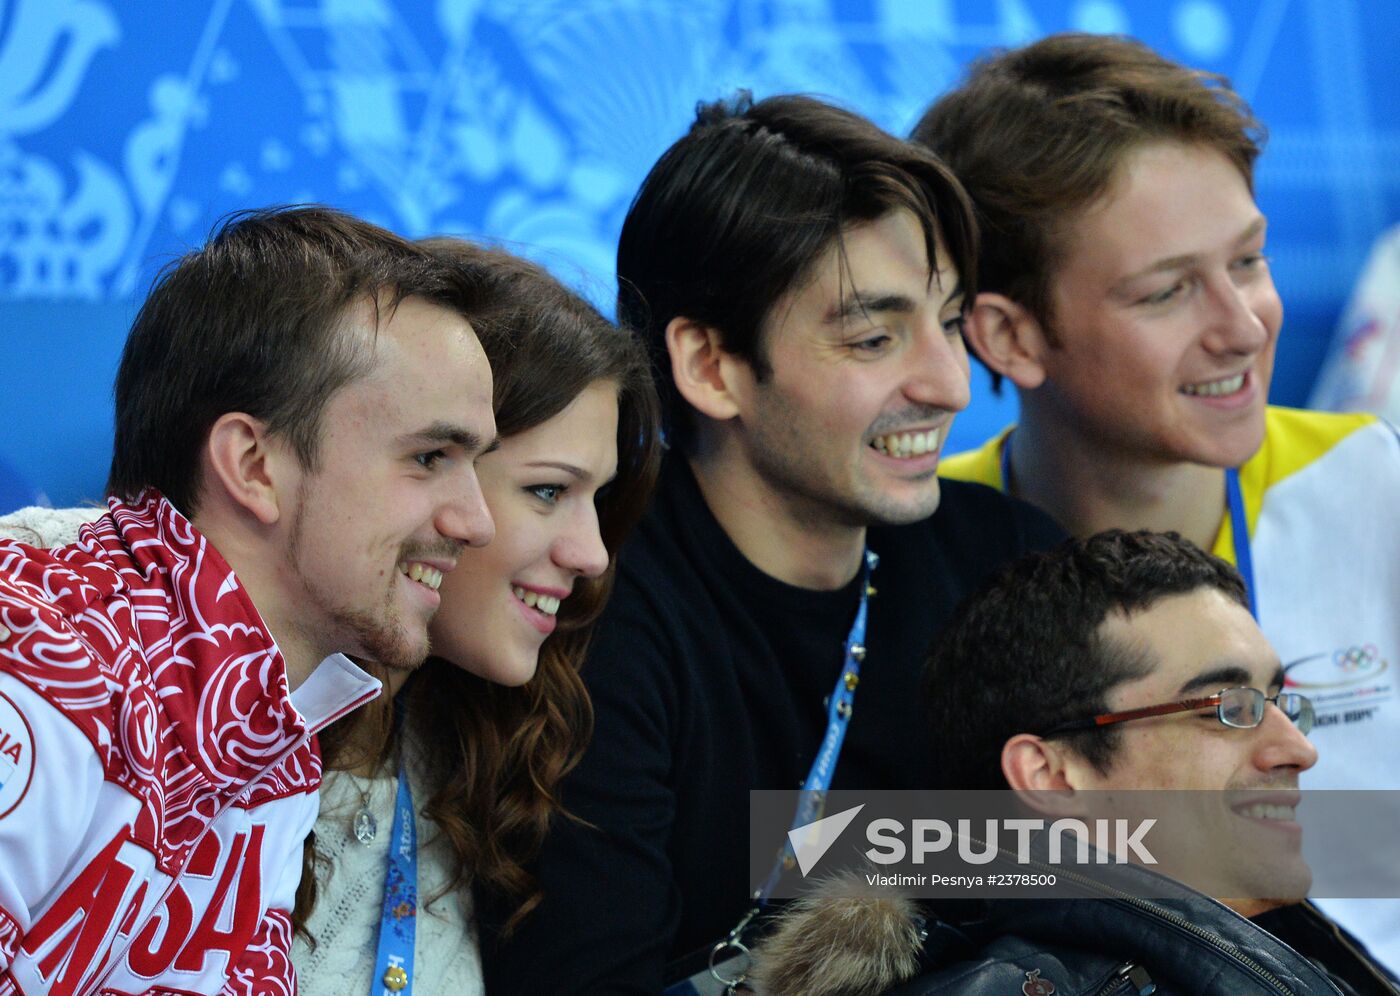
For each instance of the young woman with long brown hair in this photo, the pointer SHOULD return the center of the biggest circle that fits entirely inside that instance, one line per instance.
(475, 741)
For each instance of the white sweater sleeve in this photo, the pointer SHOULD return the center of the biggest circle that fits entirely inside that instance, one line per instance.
(44, 527)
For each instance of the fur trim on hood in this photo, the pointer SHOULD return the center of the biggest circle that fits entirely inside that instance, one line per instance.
(845, 939)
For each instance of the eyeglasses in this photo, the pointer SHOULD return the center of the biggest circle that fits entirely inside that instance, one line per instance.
(1240, 708)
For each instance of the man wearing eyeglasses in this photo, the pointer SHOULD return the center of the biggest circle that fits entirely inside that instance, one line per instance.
(1126, 661)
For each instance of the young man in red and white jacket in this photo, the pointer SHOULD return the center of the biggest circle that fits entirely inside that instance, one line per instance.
(298, 409)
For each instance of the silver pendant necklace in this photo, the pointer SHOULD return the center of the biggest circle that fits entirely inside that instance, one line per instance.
(363, 826)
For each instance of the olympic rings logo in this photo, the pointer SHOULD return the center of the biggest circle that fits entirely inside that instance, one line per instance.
(1356, 659)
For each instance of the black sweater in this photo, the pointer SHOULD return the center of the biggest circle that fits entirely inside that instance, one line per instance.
(708, 678)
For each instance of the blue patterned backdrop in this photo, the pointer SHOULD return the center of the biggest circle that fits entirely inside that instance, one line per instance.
(127, 127)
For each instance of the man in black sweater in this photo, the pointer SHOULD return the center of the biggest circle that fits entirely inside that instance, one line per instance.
(801, 278)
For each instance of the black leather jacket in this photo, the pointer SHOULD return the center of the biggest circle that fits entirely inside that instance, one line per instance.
(1182, 943)
(1184, 946)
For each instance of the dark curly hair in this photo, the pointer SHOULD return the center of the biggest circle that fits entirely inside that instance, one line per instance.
(1026, 652)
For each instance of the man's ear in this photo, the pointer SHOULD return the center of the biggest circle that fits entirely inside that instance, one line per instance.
(1008, 339)
(244, 461)
(703, 371)
(1042, 773)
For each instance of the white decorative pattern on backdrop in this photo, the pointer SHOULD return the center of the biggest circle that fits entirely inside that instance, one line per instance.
(127, 130)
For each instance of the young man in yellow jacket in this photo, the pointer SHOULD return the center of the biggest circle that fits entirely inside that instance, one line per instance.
(1126, 293)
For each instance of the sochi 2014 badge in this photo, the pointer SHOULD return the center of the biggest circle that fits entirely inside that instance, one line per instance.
(16, 755)
(1036, 986)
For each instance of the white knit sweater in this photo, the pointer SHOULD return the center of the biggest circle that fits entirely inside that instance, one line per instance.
(44, 527)
(345, 920)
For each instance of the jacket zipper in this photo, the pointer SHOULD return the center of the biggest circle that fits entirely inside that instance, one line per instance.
(1130, 977)
(1214, 940)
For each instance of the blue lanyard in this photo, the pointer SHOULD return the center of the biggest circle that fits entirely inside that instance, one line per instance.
(1234, 502)
(393, 962)
(1239, 534)
(810, 803)
(1006, 464)
(838, 716)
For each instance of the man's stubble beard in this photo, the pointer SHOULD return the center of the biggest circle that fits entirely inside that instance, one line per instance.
(818, 501)
(376, 637)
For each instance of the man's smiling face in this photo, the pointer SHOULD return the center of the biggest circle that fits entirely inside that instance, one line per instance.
(1165, 313)
(868, 369)
(1243, 783)
(394, 496)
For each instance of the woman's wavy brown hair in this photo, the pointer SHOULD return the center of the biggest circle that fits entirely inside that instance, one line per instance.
(494, 754)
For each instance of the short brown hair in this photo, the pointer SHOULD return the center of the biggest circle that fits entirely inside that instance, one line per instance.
(254, 322)
(1038, 133)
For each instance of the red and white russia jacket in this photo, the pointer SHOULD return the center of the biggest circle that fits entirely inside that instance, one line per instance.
(157, 778)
